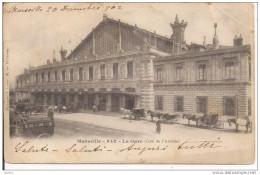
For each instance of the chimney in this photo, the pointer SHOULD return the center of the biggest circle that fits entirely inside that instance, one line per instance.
(204, 42)
(215, 39)
(238, 41)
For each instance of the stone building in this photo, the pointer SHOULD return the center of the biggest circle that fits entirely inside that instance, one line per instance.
(120, 65)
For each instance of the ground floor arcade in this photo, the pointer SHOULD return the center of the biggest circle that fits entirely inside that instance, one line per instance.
(85, 101)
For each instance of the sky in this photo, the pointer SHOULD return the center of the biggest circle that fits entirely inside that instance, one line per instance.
(31, 37)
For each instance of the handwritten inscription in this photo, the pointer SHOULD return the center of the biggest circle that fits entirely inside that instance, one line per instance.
(131, 146)
(200, 144)
(135, 147)
(65, 8)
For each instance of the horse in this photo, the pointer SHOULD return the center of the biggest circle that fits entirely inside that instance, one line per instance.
(154, 114)
(243, 122)
(125, 111)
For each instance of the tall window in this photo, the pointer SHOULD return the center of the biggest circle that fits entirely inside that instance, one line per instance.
(36, 76)
(230, 106)
(43, 77)
(129, 69)
(115, 70)
(21, 83)
(49, 77)
(202, 104)
(63, 75)
(249, 68)
(71, 74)
(80, 73)
(179, 73)
(159, 102)
(202, 72)
(17, 83)
(90, 73)
(229, 70)
(178, 104)
(159, 74)
(56, 76)
(249, 107)
(102, 71)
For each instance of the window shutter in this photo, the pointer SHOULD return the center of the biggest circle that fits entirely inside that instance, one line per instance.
(162, 102)
(156, 102)
(175, 104)
(224, 105)
(197, 102)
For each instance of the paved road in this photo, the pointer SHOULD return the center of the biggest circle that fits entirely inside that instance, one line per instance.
(66, 128)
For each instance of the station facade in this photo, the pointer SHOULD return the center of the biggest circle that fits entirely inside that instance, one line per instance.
(120, 65)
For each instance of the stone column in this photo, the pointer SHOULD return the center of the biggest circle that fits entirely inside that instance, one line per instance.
(67, 99)
(59, 99)
(32, 99)
(96, 99)
(76, 100)
(52, 99)
(137, 101)
(122, 100)
(45, 99)
(108, 102)
(85, 101)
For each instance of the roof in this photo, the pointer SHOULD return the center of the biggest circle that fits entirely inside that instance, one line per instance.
(107, 19)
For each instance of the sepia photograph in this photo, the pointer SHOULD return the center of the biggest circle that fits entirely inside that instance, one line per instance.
(131, 83)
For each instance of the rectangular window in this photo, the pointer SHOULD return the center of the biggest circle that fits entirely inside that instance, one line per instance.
(80, 73)
(71, 74)
(102, 71)
(159, 102)
(230, 106)
(249, 107)
(159, 74)
(115, 70)
(36, 77)
(129, 69)
(17, 83)
(43, 77)
(202, 104)
(202, 72)
(179, 73)
(56, 76)
(90, 72)
(49, 77)
(178, 104)
(63, 75)
(229, 70)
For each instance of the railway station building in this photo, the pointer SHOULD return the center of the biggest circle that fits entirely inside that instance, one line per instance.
(121, 65)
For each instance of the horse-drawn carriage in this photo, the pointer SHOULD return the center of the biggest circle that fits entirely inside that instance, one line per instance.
(209, 120)
(138, 113)
(31, 125)
(238, 122)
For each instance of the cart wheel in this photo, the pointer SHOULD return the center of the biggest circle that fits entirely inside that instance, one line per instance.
(44, 136)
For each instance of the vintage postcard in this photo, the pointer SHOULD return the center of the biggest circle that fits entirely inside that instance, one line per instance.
(132, 83)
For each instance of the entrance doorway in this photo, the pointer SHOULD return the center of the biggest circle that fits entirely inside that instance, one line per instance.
(129, 101)
(102, 102)
(115, 103)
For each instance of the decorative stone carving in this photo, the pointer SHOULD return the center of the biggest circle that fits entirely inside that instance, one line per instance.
(108, 71)
(138, 70)
(122, 69)
(96, 72)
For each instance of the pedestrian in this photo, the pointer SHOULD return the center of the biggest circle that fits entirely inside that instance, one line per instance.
(158, 127)
(94, 108)
(247, 123)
